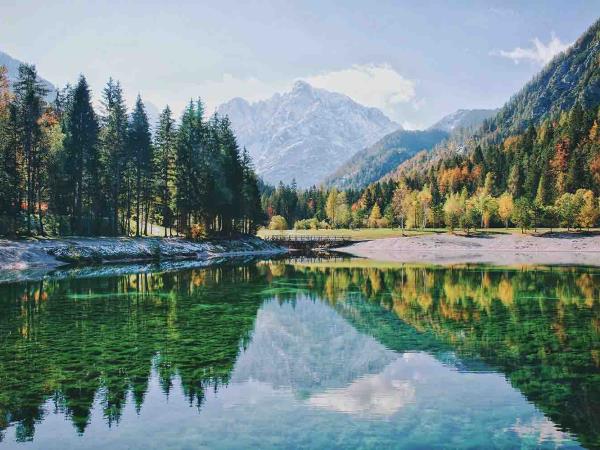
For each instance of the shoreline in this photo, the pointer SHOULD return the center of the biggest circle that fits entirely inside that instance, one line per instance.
(502, 249)
(24, 260)
(40, 256)
(125, 268)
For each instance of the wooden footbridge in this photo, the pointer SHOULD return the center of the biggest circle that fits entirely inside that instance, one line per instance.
(308, 243)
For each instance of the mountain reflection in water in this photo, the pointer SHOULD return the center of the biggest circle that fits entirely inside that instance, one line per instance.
(304, 354)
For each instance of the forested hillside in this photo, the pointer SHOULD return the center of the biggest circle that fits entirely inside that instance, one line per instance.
(374, 162)
(571, 77)
(541, 152)
(65, 169)
(536, 163)
(463, 118)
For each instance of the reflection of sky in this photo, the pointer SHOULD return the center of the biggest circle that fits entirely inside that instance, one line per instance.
(308, 379)
(541, 429)
(382, 394)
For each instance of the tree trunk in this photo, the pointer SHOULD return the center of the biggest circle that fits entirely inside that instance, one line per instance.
(146, 215)
(115, 211)
(28, 193)
(137, 207)
(40, 217)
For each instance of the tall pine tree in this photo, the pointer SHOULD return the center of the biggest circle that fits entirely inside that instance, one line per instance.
(165, 154)
(82, 160)
(140, 150)
(9, 173)
(114, 152)
(28, 108)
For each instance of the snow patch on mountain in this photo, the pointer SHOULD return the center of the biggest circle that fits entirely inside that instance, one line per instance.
(304, 134)
(463, 118)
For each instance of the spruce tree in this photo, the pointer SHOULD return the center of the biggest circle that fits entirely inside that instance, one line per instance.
(141, 161)
(216, 192)
(82, 160)
(190, 169)
(165, 167)
(251, 206)
(114, 152)
(28, 107)
(10, 184)
(233, 177)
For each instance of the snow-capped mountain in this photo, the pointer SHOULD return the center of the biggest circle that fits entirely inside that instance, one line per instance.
(304, 134)
(463, 118)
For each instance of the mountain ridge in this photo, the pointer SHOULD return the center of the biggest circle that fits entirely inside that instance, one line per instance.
(12, 65)
(571, 77)
(376, 161)
(463, 118)
(304, 134)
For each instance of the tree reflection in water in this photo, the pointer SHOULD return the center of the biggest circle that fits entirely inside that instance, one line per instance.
(73, 341)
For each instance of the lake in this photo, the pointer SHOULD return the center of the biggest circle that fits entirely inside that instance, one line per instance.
(343, 353)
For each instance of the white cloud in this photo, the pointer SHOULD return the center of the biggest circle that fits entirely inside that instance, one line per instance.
(540, 53)
(377, 85)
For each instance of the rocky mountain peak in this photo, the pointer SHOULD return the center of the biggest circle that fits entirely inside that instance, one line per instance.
(304, 134)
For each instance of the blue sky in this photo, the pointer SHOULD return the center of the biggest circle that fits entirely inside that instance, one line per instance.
(416, 60)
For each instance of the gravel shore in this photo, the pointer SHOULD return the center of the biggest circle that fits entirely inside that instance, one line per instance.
(499, 249)
(51, 253)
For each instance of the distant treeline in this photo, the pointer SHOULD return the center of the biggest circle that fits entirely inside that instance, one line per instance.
(548, 175)
(65, 169)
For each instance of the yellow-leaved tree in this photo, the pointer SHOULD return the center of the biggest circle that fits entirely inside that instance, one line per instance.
(505, 207)
(278, 223)
(399, 203)
(588, 214)
(453, 210)
(375, 217)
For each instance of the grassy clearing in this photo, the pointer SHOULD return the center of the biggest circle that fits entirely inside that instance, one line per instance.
(358, 234)
(380, 233)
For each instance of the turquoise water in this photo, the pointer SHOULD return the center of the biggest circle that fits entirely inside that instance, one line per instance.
(302, 354)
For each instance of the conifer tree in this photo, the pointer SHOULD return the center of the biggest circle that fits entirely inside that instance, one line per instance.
(233, 176)
(141, 161)
(28, 107)
(192, 170)
(10, 184)
(114, 152)
(82, 159)
(165, 167)
(251, 206)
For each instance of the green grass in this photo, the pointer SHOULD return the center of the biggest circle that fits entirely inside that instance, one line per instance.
(358, 234)
(381, 233)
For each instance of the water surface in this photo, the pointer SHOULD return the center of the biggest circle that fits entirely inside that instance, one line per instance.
(303, 354)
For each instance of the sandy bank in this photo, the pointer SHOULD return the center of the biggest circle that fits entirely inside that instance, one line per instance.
(51, 253)
(500, 249)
